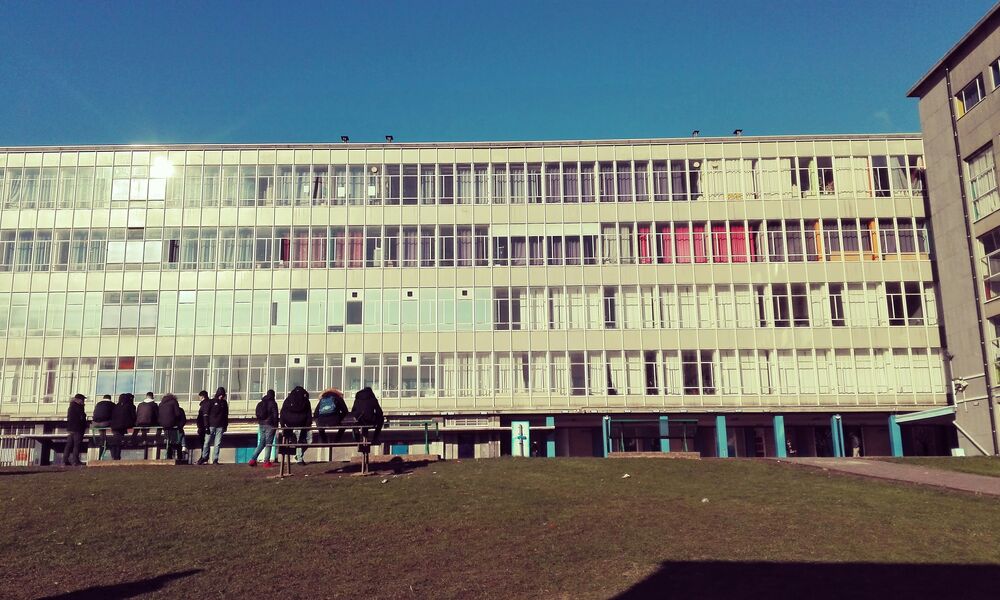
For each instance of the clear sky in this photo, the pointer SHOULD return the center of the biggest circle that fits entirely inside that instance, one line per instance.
(133, 72)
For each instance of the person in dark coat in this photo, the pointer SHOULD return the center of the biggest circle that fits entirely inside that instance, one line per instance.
(296, 412)
(122, 419)
(330, 412)
(76, 425)
(146, 416)
(218, 421)
(169, 416)
(368, 411)
(202, 418)
(267, 422)
(103, 411)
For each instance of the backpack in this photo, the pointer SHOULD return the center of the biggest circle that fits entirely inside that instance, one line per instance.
(261, 410)
(327, 406)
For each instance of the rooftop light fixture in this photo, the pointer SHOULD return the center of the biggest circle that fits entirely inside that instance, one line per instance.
(345, 139)
(389, 138)
(737, 132)
(696, 133)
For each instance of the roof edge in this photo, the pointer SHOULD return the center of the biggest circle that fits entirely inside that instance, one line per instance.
(912, 92)
(482, 144)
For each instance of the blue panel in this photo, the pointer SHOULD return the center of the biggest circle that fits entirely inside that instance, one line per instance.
(780, 448)
(721, 438)
(399, 449)
(895, 437)
(664, 432)
(550, 437)
(605, 436)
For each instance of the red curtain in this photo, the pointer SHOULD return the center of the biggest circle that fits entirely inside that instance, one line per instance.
(700, 244)
(738, 243)
(720, 244)
(645, 247)
(665, 244)
(356, 249)
(682, 233)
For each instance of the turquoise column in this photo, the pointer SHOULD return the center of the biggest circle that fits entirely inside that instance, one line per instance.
(895, 437)
(664, 432)
(837, 435)
(606, 436)
(550, 438)
(780, 449)
(721, 439)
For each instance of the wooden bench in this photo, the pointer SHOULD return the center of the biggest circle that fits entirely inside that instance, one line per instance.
(286, 448)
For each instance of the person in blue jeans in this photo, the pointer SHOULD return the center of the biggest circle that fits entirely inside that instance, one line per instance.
(218, 421)
(267, 424)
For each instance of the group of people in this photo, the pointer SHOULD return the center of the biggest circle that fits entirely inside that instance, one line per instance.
(298, 416)
(167, 415)
(296, 413)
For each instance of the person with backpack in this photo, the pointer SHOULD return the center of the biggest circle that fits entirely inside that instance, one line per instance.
(122, 419)
(202, 418)
(267, 422)
(146, 416)
(76, 424)
(368, 411)
(296, 412)
(168, 417)
(330, 412)
(218, 422)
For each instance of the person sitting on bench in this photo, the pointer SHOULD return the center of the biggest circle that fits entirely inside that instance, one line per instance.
(367, 411)
(296, 411)
(122, 419)
(146, 416)
(330, 412)
(103, 411)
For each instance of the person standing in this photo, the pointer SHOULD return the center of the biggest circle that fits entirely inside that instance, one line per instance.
(202, 419)
(76, 425)
(855, 445)
(218, 421)
(168, 416)
(267, 423)
(122, 419)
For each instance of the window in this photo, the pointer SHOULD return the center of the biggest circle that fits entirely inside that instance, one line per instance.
(969, 96)
(982, 183)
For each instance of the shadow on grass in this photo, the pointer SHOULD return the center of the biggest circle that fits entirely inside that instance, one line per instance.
(396, 466)
(5, 473)
(820, 581)
(129, 589)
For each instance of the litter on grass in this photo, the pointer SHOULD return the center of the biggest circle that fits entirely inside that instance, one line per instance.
(626, 476)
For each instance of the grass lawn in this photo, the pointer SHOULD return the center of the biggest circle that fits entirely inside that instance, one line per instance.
(563, 528)
(978, 465)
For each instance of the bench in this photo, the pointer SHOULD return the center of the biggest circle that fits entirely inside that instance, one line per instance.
(286, 448)
(136, 437)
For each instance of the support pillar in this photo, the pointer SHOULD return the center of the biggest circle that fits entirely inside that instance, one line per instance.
(895, 437)
(550, 437)
(664, 434)
(780, 448)
(721, 439)
(837, 435)
(605, 436)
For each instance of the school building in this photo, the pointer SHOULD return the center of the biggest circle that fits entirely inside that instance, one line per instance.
(737, 296)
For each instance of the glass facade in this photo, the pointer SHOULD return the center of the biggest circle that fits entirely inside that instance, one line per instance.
(493, 278)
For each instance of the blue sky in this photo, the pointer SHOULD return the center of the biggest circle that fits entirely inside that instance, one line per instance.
(134, 72)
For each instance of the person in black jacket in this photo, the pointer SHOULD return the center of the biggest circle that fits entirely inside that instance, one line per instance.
(330, 412)
(122, 419)
(296, 412)
(367, 411)
(146, 417)
(218, 421)
(169, 416)
(103, 411)
(202, 418)
(76, 424)
(267, 421)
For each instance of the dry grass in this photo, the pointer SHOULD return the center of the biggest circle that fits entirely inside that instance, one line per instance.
(556, 527)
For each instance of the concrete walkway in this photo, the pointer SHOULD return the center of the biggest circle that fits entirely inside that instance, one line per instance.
(978, 484)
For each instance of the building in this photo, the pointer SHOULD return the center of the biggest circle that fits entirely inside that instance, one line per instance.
(960, 118)
(739, 296)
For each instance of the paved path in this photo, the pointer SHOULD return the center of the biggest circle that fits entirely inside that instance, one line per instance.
(980, 484)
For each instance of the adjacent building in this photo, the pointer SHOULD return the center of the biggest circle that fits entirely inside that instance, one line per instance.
(960, 118)
(738, 296)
